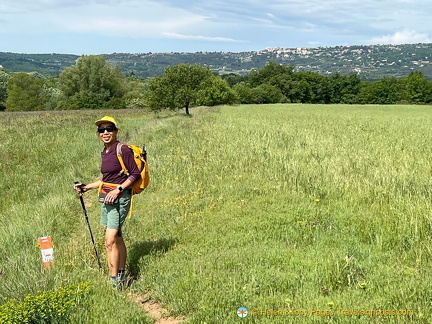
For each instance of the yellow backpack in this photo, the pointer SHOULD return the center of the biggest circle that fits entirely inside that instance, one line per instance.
(140, 157)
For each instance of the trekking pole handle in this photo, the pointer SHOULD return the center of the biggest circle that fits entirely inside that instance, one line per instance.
(144, 148)
(81, 186)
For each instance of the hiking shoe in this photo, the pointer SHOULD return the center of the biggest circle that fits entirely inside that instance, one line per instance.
(114, 281)
(121, 280)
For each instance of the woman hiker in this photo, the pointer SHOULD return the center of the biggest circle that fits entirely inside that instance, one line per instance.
(115, 196)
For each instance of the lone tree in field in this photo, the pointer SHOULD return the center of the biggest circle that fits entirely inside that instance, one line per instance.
(186, 85)
(92, 84)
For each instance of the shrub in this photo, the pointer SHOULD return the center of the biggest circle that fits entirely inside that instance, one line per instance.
(46, 307)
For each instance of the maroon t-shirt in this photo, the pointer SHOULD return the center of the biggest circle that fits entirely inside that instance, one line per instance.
(111, 166)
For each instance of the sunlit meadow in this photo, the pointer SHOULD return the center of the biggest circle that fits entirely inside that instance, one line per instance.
(300, 213)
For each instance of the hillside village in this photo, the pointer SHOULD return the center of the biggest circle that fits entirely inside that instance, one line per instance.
(363, 60)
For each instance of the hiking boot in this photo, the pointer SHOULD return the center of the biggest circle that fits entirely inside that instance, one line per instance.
(114, 281)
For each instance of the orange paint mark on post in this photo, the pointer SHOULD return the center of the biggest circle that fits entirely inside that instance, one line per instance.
(47, 250)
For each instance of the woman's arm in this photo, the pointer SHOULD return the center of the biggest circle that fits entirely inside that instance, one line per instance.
(79, 187)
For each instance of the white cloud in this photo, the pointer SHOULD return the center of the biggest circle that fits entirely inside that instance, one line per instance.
(203, 38)
(35, 6)
(128, 27)
(126, 18)
(405, 36)
(224, 24)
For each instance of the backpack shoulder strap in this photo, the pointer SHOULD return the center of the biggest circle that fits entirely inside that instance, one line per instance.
(119, 156)
(119, 146)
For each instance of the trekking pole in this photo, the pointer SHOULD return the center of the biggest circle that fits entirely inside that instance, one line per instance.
(88, 224)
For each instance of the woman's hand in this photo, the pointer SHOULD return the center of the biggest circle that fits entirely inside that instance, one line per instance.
(80, 187)
(112, 196)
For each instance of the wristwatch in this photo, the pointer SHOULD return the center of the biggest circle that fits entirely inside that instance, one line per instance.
(120, 188)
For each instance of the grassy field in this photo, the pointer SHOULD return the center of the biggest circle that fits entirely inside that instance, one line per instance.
(300, 213)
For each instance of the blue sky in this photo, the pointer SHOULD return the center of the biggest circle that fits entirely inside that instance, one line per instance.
(134, 26)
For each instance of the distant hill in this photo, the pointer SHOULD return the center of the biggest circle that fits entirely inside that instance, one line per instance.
(371, 62)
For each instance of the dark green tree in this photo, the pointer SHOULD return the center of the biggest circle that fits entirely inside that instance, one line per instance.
(4, 79)
(344, 89)
(25, 93)
(216, 92)
(312, 87)
(184, 86)
(135, 93)
(269, 73)
(382, 92)
(245, 94)
(92, 84)
(415, 88)
(267, 93)
(233, 78)
(276, 75)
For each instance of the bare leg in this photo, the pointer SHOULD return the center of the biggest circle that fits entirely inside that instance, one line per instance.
(122, 252)
(113, 252)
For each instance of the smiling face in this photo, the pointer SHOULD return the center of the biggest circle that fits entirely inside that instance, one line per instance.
(107, 133)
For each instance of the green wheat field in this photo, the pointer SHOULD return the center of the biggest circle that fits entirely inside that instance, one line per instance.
(299, 213)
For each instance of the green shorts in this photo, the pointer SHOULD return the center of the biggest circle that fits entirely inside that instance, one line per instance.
(114, 215)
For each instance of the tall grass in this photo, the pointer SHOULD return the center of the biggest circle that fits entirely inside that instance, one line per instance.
(271, 207)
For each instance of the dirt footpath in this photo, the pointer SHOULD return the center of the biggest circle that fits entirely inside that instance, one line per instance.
(155, 310)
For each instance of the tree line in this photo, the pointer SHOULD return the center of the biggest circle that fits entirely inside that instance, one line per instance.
(92, 83)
